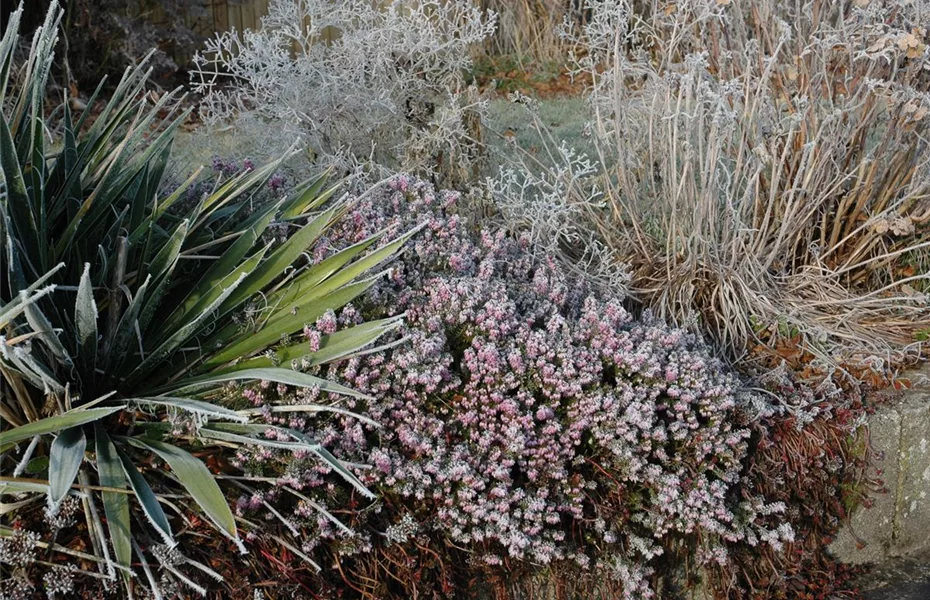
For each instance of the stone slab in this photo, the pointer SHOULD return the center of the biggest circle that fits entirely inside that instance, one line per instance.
(899, 579)
(870, 535)
(912, 517)
(898, 523)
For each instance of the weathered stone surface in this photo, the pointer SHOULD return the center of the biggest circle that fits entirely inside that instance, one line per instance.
(900, 579)
(898, 523)
(869, 537)
(912, 517)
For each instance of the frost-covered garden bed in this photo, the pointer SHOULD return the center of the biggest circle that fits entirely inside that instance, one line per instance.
(398, 338)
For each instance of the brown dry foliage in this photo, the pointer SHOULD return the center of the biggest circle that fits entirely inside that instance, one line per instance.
(765, 167)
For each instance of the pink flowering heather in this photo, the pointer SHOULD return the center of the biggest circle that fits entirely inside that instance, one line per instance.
(524, 417)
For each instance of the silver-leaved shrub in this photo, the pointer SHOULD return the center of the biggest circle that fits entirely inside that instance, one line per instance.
(353, 78)
(523, 417)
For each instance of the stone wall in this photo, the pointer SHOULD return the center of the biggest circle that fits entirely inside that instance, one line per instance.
(898, 523)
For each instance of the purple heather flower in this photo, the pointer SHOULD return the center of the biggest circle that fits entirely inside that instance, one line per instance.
(276, 182)
(523, 407)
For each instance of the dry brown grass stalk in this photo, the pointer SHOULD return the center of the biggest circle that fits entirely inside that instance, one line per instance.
(765, 166)
(528, 29)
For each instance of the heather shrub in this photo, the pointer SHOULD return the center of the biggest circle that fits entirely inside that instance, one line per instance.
(816, 462)
(761, 166)
(354, 79)
(525, 420)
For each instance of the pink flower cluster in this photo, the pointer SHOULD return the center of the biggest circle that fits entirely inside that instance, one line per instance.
(525, 416)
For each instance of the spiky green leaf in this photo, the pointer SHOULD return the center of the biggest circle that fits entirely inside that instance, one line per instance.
(197, 481)
(194, 406)
(285, 376)
(65, 459)
(283, 257)
(115, 504)
(150, 505)
(336, 346)
(292, 320)
(48, 425)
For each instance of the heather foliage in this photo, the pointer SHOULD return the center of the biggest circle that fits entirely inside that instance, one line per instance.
(524, 417)
(353, 79)
(815, 460)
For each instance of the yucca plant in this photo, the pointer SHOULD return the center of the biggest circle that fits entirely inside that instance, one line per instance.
(121, 304)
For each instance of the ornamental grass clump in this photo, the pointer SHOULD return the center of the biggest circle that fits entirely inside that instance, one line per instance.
(763, 168)
(127, 315)
(526, 422)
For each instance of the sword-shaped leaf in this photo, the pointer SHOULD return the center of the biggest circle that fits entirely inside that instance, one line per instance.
(245, 345)
(282, 258)
(167, 257)
(150, 505)
(197, 481)
(186, 331)
(65, 458)
(17, 485)
(115, 504)
(85, 319)
(57, 423)
(194, 406)
(308, 197)
(126, 329)
(44, 328)
(210, 289)
(333, 347)
(285, 376)
(306, 443)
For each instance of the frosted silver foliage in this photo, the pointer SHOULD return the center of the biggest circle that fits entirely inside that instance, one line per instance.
(762, 166)
(351, 79)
